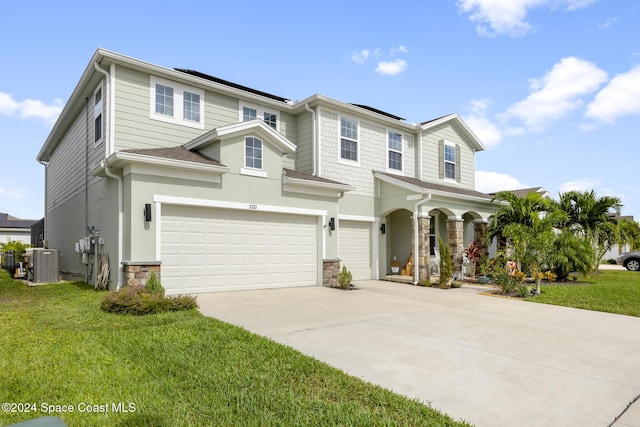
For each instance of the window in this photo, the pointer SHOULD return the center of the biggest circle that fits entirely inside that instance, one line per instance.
(253, 112)
(270, 119)
(449, 161)
(164, 100)
(395, 151)
(176, 103)
(191, 106)
(248, 114)
(432, 236)
(253, 153)
(348, 139)
(97, 114)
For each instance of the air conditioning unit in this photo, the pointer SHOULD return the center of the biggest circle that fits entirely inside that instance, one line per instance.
(44, 265)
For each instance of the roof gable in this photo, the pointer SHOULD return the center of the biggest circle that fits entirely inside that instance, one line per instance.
(456, 121)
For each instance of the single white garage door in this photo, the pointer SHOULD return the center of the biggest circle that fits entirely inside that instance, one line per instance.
(207, 249)
(355, 248)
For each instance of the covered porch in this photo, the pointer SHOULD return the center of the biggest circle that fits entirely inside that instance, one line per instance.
(416, 215)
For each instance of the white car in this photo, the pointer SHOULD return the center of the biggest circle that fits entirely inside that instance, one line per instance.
(630, 260)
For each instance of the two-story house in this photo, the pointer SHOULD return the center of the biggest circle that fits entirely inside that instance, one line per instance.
(218, 186)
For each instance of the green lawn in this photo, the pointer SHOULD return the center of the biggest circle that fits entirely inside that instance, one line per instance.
(176, 369)
(609, 290)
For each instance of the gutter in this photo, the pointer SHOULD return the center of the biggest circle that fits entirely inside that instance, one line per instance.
(110, 174)
(416, 277)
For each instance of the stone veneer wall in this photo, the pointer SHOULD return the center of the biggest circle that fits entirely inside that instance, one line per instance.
(424, 254)
(455, 241)
(330, 271)
(480, 236)
(136, 273)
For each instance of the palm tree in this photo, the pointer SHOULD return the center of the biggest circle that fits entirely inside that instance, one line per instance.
(589, 216)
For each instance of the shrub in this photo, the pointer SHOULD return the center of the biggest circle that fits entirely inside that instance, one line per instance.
(153, 285)
(570, 254)
(344, 278)
(16, 246)
(138, 300)
(446, 265)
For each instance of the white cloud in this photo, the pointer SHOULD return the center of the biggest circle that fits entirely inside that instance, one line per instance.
(392, 67)
(399, 49)
(485, 129)
(557, 93)
(10, 193)
(361, 56)
(491, 182)
(621, 97)
(30, 108)
(586, 184)
(607, 23)
(508, 16)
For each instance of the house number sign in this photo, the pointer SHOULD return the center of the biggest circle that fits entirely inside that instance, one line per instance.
(253, 207)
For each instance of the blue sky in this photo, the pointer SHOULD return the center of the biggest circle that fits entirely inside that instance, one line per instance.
(551, 87)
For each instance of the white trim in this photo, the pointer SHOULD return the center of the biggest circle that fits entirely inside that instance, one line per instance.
(98, 110)
(345, 217)
(260, 112)
(157, 207)
(449, 180)
(189, 201)
(449, 144)
(111, 104)
(167, 172)
(178, 107)
(121, 156)
(253, 172)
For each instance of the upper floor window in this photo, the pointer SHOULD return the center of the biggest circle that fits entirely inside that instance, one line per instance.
(97, 114)
(191, 106)
(449, 154)
(254, 112)
(348, 139)
(253, 153)
(176, 103)
(395, 151)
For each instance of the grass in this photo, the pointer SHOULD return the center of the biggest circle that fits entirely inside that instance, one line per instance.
(612, 291)
(177, 369)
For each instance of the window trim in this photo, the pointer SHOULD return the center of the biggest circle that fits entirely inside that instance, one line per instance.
(443, 162)
(341, 159)
(98, 113)
(390, 150)
(178, 117)
(450, 162)
(260, 112)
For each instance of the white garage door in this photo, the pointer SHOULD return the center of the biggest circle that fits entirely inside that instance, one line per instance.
(207, 250)
(355, 248)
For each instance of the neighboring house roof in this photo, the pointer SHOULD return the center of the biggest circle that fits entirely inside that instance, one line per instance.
(8, 221)
(415, 184)
(231, 84)
(524, 191)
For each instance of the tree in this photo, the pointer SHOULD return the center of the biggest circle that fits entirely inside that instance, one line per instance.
(629, 232)
(589, 216)
(570, 254)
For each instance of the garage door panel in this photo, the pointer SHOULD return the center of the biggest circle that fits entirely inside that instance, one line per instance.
(206, 249)
(355, 248)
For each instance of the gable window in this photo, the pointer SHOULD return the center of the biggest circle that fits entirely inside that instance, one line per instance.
(395, 151)
(253, 112)
(191, 106)
(348, 139)
(97, 114)
(176, 103)
(449, 155)
(253, 153)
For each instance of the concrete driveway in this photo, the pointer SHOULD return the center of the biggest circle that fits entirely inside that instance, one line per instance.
(490, 361)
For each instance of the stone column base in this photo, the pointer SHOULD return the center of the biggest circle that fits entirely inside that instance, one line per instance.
(136, 273)
(330, 271)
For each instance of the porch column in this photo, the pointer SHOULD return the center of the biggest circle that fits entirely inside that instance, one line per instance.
(455, 241)
(480, 236)
(424, 255)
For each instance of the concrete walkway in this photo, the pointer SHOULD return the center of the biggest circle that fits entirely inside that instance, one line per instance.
(488, 360)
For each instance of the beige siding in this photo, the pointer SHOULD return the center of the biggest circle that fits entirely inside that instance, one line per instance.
(288, 126)
(430, 162)
(304, 142)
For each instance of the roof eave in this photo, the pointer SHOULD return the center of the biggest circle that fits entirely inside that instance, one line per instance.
(121, 159)
(461, 125)
(256, 125)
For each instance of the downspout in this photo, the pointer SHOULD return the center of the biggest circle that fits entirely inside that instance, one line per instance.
(110, 174)
(416, 277)
(86, 176)
(313, 139)
(107, 119)
(46, 182)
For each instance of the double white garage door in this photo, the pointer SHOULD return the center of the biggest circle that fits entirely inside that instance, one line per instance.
(207, 249)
